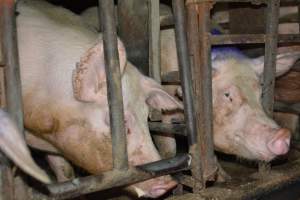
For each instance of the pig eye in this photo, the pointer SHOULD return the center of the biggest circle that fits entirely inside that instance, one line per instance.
(227, 94)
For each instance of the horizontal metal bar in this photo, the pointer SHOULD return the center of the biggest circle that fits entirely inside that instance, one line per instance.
(241, 1)
(171, 78)
(220, 1)
(280, 177)
(178, 129)
(285, 107)
(117, 178)
(251, 38)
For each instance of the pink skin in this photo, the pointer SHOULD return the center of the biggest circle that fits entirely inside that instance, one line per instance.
(236, 98)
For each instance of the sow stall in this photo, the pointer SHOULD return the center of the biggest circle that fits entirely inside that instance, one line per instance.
(197, 168)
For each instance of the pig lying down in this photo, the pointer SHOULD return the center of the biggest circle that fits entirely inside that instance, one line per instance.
(65, 97)
(241, 127)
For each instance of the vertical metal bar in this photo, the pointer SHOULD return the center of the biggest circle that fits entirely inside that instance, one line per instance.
(270, 63)
(114, 87)
(154, 40)
(11, 59)
(6, 179)
(299, 17)
(199, 49)
(13, 96)
(184, 68)
(186, 85)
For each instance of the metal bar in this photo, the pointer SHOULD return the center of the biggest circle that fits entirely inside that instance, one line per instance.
(251, 38)
(184, 68)
(280, 178)
(116, 178)
(199, 50)
(285, 107)
(6, 179)
(241, 1)
(178, 129)
(270, 56)
(114, 87)
(11, 60)
(238, 1)
(272, 13)
(154, 51)
(298, 14)
(154, 40)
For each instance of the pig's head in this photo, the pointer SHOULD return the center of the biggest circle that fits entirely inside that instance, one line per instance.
(139, 93)
(241, 126)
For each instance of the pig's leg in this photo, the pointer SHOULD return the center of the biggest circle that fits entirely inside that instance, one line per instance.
(61, 168)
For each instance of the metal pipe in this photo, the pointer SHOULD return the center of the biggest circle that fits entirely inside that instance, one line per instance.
(285, 107)
(11, 60)
(114, 87)
(238, 1)
(154, 40)
(251, 38)
(270, 65)
(158, 127)
(270, 56)
(199, 50)
(184, 68)
(116, 178)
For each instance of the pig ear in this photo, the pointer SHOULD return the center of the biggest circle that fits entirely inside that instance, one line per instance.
(89, 79)
(157, 98)
(286, 57)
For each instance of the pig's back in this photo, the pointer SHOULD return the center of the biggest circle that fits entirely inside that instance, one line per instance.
(49, 49)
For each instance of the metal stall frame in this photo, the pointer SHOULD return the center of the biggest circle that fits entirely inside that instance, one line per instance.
(198, 17)
(9, 63)
(204, 165)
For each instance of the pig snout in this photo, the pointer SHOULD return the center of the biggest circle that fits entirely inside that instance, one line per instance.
(154, 188)
(280, 143)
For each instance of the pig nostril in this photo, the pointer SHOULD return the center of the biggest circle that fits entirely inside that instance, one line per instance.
(279, 146)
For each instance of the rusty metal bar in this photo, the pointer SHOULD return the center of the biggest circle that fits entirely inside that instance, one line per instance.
(11, 60)
(270, 56)
(114, 87)
(272, 13)
(116, 178)
(154, 40)
(204, 165)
